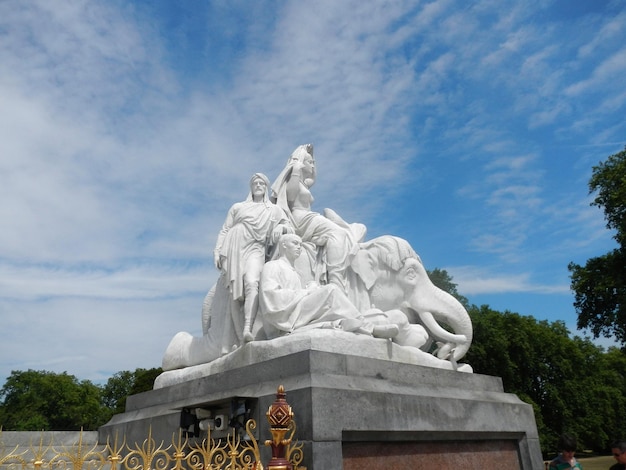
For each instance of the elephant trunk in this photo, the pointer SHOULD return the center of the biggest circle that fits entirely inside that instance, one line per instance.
(435, 306)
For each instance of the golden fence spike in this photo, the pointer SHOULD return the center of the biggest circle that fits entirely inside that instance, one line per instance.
(231, 453)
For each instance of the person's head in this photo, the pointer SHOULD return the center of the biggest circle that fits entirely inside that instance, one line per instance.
(300, 152)
(618, 449)
(567, 446)
(290, 246)
(258, 187)
(304, 155)
(567, 443)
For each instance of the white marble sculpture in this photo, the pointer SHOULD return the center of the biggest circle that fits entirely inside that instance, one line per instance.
(339, 285)
(287, 306)
(251, 227)
(337, 241)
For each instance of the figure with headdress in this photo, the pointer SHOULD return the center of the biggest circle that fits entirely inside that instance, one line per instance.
(335, 240)
(287, 306)
(242, 245)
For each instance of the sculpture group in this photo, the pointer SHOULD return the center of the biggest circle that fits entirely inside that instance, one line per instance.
(286, 270)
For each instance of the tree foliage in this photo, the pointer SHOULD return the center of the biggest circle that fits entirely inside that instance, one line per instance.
(443, 280)
(600, 285)
(41, 400)
(574, 386)
(609, 181)
(126, 383)
(47, 401)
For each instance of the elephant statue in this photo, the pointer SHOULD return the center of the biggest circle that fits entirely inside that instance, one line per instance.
(394, 277)
(385, 276)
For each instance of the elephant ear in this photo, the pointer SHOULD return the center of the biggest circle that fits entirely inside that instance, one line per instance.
(364, 264)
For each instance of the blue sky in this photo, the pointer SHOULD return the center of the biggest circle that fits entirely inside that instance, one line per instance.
(127, 129)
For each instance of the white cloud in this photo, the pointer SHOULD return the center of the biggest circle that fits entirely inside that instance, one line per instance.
(121, 150)
(547, 116)
(150, 281)
(472, 280)
(607, 33)
(608, 72)
(93, 339)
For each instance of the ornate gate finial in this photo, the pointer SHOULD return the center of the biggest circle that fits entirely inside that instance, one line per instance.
(279, 417)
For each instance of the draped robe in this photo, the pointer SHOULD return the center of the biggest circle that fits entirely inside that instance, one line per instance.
(287, 306)
(246, 234)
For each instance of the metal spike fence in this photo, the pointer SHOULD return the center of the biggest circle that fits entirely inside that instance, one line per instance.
(232, 453)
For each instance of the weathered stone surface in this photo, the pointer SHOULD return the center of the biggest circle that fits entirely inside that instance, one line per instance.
(343, 400)
(317, 340)
(335, 278)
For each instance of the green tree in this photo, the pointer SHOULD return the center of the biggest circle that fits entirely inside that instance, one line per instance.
(612, 371)
(115, 391)
(573, 386)
(144, 379)
(41, 400)
(125, 383)
(443, 280)
(600, 285)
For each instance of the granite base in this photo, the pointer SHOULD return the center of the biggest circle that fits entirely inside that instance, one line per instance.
(355, 412)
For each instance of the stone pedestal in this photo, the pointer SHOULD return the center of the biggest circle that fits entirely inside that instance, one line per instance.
(353, 410)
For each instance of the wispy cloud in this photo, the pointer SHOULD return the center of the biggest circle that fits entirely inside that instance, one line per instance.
(149, 281)
(610, 30)
(481, 281)
(127, 130)
(605, 73)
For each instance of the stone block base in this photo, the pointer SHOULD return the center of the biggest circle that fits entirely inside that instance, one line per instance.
(354, 412)
(425, 455)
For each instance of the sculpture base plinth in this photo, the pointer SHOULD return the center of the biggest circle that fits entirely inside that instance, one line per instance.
(428, 455)
(353, 411)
